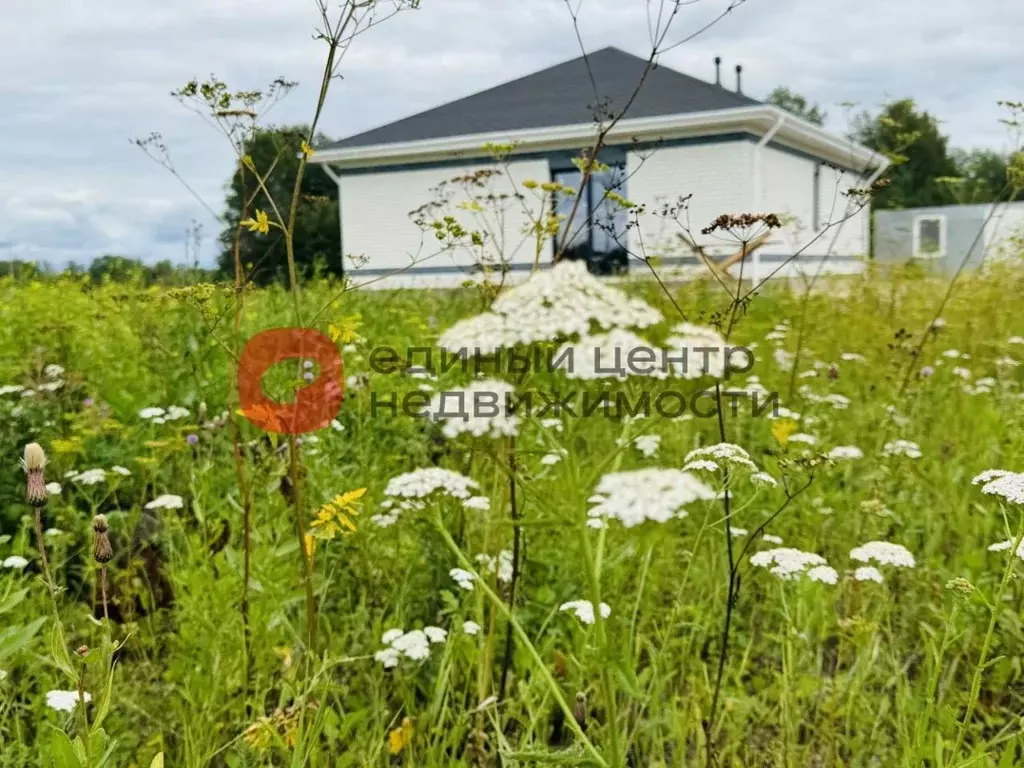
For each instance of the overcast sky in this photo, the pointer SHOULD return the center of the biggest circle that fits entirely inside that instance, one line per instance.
(81, 80)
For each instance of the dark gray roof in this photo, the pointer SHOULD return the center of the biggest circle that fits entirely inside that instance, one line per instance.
(560, 95)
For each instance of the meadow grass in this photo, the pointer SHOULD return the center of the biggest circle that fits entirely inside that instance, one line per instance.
(855, 673)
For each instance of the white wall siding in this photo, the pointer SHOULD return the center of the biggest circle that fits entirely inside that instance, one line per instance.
(375, 221)
(1003, 232)
(716, 174)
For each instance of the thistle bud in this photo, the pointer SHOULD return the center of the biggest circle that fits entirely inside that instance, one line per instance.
(35, 486)
(102, 552)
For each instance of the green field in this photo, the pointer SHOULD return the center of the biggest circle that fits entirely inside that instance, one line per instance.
(290, 669)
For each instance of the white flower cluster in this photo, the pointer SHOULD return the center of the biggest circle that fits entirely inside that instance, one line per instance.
(868, 573)
(790, 563)
(166, 501)
(635, 496)
(65, 701)
(502, 564)
(845, 453)
(698, 351)
(618, 354)
(712, 458)
(584, 610)
(647, 445)
(17, 562)
(463, 578)
(414, 645)
(156, 415)
(421, 483)
(483, 410)
(906, 448)
(565, 300)
(1000, 482)
(883, 553)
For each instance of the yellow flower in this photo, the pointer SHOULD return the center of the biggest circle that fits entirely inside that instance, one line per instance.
(336, 515)
(346, 331)
(307, 150)
(400, 737)
(260, 224)
(782, 429)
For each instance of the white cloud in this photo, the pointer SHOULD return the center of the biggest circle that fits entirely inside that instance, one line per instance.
(73, 187)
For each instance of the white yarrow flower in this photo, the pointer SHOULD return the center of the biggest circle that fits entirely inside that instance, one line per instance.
(462, 577)
(868, 573)
(786, 562)
(1000, 482)
(435, 634)
(65, 701)
(636, 496)
(845, 453)
(53, 489)
(470, 627)
(883, 553)
(584, 610)
(826, 574)
(166, 501)
(90, 477)
(17, 562)
(902, 448)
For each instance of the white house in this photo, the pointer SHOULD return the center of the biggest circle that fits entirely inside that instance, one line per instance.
(679, 136)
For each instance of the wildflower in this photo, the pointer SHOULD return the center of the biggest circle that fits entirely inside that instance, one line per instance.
(414, 645)
(734, 531)
(401, 736)
(421, 483)
(1000, 482)
(961, 588)
(647, 494)
(763, 478)
(786, 562)
(550, 459)
(703, 352)
(963, 373)
(584, 610)
(853, 357)
(884, 553)
(782, 412)
(845, 452)
(772, 539)
(11, 389)
(952, 353)
(101, 549)
(1015, 340)
(927, 371)
(803, 437)
(192, 439)
(618, 354)
(435, 634)
(306, 150)
(51, 533)
(470, 627)
(51, 386)
(783, 359)
(337, 426)
(902, 448)
(647, 444)
(389, 657)
(53, 371)
(555, 424)
(823, 573)
(53, 489)
(1005, 545)
(260, 224)
(166, 501)
(479, 503)
(17, 562)
(120, 471)
(868, 573)
(33, 463)
(837, 401)
(565, 300)
(151, 413)
(462, 577)
(337, 514)
(65, 701)
(783, 429)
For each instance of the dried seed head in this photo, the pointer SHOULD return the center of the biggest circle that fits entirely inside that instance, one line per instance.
(35, 457)
(102, 552)
(35, 485)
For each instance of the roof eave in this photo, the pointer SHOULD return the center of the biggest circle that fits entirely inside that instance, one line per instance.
(757, 119)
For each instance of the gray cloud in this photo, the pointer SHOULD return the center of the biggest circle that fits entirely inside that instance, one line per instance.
(79, 89)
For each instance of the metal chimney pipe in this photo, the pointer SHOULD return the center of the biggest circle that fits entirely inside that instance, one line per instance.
(739, 73)
(718, 70)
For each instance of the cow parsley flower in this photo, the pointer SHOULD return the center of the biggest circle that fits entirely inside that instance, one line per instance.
(617, 354)
(65, 701)
(803, 437)
(391, 635)
(584, 610)
(868, 573)
(826, 574)
(763, 478)
(470, 627)
(421, 483)
(737, 532)
(482, 411)
(565, 300)
(902, 448)
(435, 634)
(552, 458)
(119, 470)
(89, 477)
(462, 577)
(17, 562)
(853, 357)
(697, 351)
(725, 455)
(635, 496)
(166, 501)
(414, 645)
(884, 553)
(784, 359)
(1000, 482)
(772, 539)
(478, 503)
(53, 371)
(53, 489)
(389, 657)
(786, 562)
(11, 389)
(647, 445)
(151, 413)
(1002, 546)
(845, 453)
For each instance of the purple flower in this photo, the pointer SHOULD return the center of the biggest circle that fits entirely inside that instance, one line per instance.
(927, 371)
(192, 439)
(88, 402)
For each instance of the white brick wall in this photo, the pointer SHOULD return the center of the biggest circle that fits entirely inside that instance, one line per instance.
(375, 219)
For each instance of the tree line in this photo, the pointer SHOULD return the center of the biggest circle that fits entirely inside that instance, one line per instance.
(925, 170)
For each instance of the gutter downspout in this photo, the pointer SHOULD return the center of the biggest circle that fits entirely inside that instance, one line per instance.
(882, 167)
(756, 207)
(341, 227)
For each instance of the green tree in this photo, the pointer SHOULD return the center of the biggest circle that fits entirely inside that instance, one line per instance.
(116, 269)
(911, 139)
(981, 176)
(317, 238)
(795, 104)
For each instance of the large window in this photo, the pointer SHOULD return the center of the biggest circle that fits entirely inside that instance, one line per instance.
(597, 229)
(929, 237)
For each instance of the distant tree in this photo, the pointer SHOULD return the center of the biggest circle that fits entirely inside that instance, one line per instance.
(795, 104)
(981, 176)
(911, 139)
(317, 238)
(116, 269)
